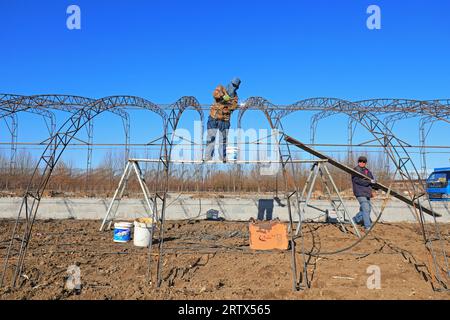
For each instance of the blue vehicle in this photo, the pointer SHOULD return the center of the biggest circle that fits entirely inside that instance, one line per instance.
(438, 188)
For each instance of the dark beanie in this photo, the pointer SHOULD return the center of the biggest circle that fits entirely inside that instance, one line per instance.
(362, 159)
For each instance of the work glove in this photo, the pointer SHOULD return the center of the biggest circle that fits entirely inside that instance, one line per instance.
(373, 181)
(226, 97)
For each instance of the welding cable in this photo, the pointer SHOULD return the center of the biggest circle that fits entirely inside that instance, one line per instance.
(360, 239)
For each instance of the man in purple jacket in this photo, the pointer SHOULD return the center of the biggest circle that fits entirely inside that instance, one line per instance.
(362, 189)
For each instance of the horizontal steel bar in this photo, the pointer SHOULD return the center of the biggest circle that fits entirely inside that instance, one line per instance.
(221, 162)
(8, 143)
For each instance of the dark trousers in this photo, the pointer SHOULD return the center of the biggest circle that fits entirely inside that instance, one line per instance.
(213, 126)
(265, 205)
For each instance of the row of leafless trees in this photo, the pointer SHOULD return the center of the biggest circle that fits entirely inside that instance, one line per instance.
(103, 180)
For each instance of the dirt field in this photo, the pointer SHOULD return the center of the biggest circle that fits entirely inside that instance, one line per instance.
(212, 260)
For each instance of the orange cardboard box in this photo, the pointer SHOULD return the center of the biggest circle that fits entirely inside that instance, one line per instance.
(268, 235)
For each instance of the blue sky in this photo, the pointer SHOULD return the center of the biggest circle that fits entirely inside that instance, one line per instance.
(282, 50)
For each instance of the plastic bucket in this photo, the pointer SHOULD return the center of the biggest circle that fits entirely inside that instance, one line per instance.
(122, 231)
(142, 230)
(232, 153)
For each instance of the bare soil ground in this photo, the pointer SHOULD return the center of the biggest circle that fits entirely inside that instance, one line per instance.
(212, 260)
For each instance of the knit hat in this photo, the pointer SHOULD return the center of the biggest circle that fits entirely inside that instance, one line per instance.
(236, 82)
(362, 159)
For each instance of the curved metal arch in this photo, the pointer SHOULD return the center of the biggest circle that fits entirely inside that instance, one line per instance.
(6, 100)
(440, 108)
(441, 102)
(441, 111)
(315, 121)
(429, 112)
(176, 111)
(327, 106)
(407, 108)
(16, 100)
(87, 113)
(259, 103)
(388, 140)
(392, 105)
(402, 108)
(71, 104)
(63, 102)
(271, 113)
(5, 112)
(405, 165)
(68, 103)
(177, 108)
(376, 106)
(378, 129)
(320, 103)
(49, 159)
(8, 96)
(128, 101)
(396, 151)
(351, 127)
(423, 134)
(170, 127)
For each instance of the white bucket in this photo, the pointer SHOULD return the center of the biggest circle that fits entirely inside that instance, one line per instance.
(142, 229)
(232, 153)
(122, 231)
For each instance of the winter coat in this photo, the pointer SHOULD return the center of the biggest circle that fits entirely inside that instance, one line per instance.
(362, 187)
(221, 110)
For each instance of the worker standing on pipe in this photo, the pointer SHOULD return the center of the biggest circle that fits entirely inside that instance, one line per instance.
(225, 102)
(362, 189)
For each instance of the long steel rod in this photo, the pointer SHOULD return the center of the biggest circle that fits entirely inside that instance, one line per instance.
(221, 162)
(356, 173)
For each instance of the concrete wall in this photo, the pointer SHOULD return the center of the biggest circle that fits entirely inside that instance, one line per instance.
(184, 207)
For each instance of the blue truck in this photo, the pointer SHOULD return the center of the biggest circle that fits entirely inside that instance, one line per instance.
(438, 187)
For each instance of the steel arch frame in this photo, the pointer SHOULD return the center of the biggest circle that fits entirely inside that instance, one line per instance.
(442, 110)
(258, 103)
(389, 141)
(299, 280)
(49, 159)
(71, 104)
(400, 108)
(381, 133)
(176, 111)
(368, 120)
(8, 99)
(429, 111)
(87, 113)
(425, 125)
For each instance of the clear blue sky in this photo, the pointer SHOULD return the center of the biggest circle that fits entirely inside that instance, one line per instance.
(282, 50)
